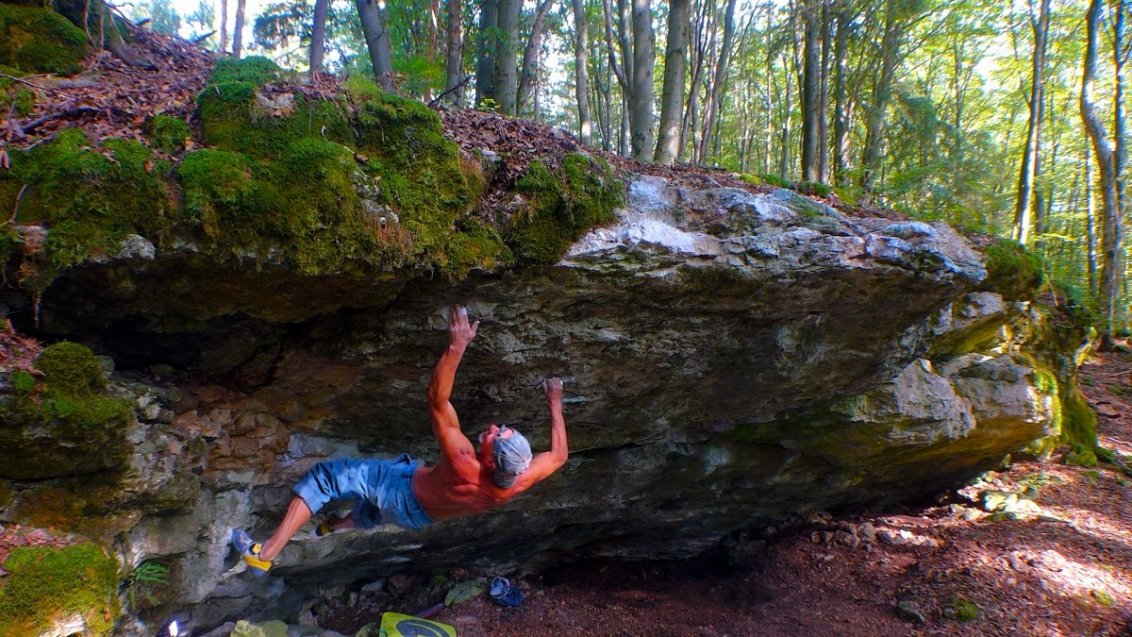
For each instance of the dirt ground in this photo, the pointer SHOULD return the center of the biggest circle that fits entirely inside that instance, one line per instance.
(1053, 560)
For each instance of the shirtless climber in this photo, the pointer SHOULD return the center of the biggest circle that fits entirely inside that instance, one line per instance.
(410, 495)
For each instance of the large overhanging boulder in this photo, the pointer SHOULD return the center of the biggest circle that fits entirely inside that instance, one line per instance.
(732, 359)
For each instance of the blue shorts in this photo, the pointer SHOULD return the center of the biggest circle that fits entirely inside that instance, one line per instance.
(383, 489)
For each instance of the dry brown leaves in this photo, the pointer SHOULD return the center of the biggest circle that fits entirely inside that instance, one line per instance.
(112, 98)
(17, 352)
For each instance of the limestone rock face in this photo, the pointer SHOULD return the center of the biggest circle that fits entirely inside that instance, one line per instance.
(731, 360)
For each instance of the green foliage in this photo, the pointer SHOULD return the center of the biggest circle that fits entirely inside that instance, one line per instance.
(774, 180)
(48, 584)
(148, 580)
(1013, 271)
(419, 73)
(167, 133)
(22, 381)
(563, 205)
(814, 188)
(965, 610)
(39, 40)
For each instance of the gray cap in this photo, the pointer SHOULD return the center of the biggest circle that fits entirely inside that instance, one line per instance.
(512, 456)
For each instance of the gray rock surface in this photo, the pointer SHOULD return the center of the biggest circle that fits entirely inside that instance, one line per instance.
(732, 360)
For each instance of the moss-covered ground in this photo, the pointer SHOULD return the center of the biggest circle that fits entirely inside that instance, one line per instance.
(45, 585)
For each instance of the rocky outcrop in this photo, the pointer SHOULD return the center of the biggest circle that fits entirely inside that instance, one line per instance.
(732, 359)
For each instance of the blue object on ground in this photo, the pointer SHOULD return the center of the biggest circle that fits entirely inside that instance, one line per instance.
(504, 593)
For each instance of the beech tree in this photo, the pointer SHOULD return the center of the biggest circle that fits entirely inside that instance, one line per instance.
(238, 30)
(1023, 212)
(672, 96)
(581, 71)
(377, 42)
(318, 35)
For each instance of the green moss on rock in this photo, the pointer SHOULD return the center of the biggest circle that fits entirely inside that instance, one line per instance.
(167, 133)
(71, 368)
(48, 585)
(1013, 271)
(303, 210)
(563, 205)
(368, 178)
(63, 425)
(420, 172)
(90, 198)
(39, 40)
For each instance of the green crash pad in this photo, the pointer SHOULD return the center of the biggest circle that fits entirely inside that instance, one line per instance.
(399, 625)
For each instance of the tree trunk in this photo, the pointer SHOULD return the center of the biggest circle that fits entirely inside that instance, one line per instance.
(1023, 217)
(377, 40)
(485, 60)
(823, 96)
(506, 59)
(621, 74)
(528, 79)
(641, 98)
(811, 70)
(672, 96)
(238, 30)
(318, 35)
(840, 97)
(581, 76)
(877, 116)
(1090, 225)
(454, 53)
(698, 43)
(223, 27)
(1106, 162)
(711, 109)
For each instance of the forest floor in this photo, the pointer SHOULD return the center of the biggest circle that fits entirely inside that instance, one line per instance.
(1053, 557)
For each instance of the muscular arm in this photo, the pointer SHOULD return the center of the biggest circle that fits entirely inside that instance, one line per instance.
(454, 445)
(546, 463)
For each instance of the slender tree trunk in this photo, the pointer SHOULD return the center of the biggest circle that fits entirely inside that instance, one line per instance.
(377, 40)
(1023, 217)
(506, 58)
(581, 77)
(823, 95)
(238, 30)
(612, 45)
(223, 27)
(528, 79)
(641, 101)
(1090, 225)
(454, 58)
(672, 96)
(433, 47)
(840, 97)
(699, 55)
(485, 60)
(711, 109)
(1107, 163)
(811, 70)
(877, 116)
(318, 35)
